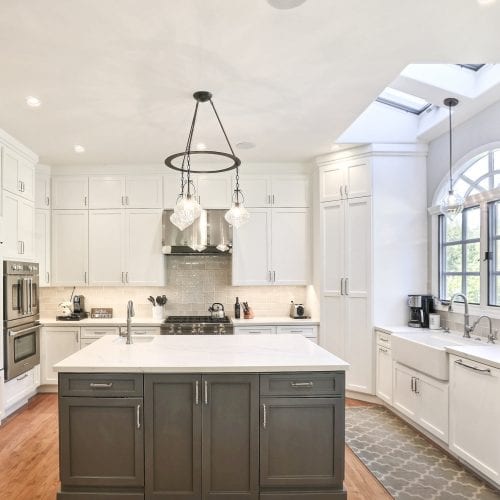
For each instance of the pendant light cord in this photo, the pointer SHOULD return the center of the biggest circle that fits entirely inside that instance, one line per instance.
(187, 153)
(451, 146)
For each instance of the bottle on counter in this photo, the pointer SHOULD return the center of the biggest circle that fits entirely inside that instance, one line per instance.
(237, 309)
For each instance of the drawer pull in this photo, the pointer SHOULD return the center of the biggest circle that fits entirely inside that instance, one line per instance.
(138, 415)
(197, 393)
(296, 331)
(480, 370)
(103, 385)
(22, 377)
(264, 416)
(302, 384)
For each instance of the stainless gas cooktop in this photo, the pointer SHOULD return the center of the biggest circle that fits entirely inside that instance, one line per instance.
(197, 325)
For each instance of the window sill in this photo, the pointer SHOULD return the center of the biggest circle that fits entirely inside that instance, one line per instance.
(474, 309)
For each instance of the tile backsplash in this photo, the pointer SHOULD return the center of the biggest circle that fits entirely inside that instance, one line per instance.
(194, 283)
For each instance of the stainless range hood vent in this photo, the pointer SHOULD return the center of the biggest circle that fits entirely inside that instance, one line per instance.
(210, 234)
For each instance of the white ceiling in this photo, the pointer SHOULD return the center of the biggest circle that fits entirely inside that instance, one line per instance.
(117, 75)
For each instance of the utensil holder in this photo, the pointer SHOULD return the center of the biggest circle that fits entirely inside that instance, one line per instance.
(249, 314)
(158, 312)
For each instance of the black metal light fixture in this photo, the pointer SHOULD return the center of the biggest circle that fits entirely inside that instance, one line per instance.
(187, 209)
(452, 203)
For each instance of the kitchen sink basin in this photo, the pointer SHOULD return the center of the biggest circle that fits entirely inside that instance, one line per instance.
(426, 352)
(136, 339)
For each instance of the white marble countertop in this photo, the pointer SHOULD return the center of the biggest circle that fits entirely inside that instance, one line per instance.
(489, 354)
(274, 320)
(118, 321)
(402, 329)
(203, 354)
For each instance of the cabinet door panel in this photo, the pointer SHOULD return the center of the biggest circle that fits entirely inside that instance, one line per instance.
(332, 246)
(301, 442)
(231, 437)
(256, 190)
(144, 191)
(70, 192)
(331, 329)
(55, 345)
(42, 191)
(252, 250)
(331, 181)
(106, 191)
(26, 228)
(26, 175)
(214, 190)
(358, 247)
(173, 436)
(42, 245)
(171, 190)
(291, 243)
(145, 262)
(11, 225)
(433, 406)
(102, 441)
(384, 374)
(10, 169)
(470, 424)
(106, 247)
(404, 399)
(69, 247)
(358, 179)
(290, 191)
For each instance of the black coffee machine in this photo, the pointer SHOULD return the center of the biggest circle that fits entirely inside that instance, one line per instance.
(420, 308)
(79, 306)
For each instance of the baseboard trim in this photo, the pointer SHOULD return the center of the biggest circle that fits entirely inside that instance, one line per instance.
(361, 396)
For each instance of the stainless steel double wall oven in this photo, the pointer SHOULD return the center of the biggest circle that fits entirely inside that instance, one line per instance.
(21, 317)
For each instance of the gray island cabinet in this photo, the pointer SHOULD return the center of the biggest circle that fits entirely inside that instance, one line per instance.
(200, 435)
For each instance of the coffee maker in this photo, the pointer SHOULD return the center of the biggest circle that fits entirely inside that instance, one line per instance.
(79, 306)
(420, 308)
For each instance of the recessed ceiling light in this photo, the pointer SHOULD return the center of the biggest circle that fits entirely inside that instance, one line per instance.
(201, 146)
(245, 145)
(33, 102)
(486, 2)
(285, 4)
(79, 148)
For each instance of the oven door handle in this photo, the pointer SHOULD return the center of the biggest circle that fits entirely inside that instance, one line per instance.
(24, 330)
(30, 295)
(20, 295)
(26, 295)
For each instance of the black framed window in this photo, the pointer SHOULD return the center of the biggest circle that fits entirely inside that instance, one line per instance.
(494, 253)
(459, 255)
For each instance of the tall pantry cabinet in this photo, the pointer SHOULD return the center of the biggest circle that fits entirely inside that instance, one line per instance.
(373, 248)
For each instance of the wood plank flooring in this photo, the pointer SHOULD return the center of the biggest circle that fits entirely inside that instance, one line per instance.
(29, 457)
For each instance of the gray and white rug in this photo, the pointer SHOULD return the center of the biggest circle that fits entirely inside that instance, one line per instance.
(409, 466)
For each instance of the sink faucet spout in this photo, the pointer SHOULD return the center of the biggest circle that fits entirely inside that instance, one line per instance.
(467, 328)
(130, 314)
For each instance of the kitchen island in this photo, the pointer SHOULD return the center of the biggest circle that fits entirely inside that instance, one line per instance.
(202, 417)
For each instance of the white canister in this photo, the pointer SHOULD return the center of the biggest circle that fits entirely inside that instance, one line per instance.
(158, 312)
(434, 321)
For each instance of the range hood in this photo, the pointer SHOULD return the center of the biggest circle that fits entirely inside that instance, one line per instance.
(209, 234)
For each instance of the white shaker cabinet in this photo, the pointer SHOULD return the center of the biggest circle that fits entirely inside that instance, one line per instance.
(70, 192)
(106, 247)
(347, 179)
(42, 191)
(290, 191)
(106, 191)
(18, 216)
(384, 375)
(171, 190)
(214, 190)
(144, 191)
(18, 174)
(145, 264)
(70, 247)
(42, 245)
(256, 190)
(55, 345)
(474, 415)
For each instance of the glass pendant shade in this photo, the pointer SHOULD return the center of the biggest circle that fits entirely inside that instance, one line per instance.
(186, 211)
(237, 215)
(452, 205)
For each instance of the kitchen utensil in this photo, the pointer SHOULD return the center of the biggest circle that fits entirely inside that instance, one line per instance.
(159, 300)
(216, 310)
(165, 300)
(152, 300)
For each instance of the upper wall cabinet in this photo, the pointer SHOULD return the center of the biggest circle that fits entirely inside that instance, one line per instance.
(42, 191)
(283, 191)
(121, 191)
(345, 179)
(18, 217)
(70, 192)
(18, 174)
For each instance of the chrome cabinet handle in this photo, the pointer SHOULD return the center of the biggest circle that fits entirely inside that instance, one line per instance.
(206, 392)
(416, 385)
(22, 377)
(77, 337)
(274, 276)
(126, 277)
(85, 200)
(101, 385)
(47, 200)
(197, 393)
(85, 276)
(126, 201)
(270, 276)
(346, 192)
(47, 277)
(480, 370)
(123, 277)
(264, 416)
(413, 384)
(273, 199)
(341, 286)
(138, 415)
(123, 200)
(346, 286)
(340, 189)
(302, 384)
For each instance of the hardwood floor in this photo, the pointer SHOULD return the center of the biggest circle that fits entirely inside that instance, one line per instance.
(29, 457)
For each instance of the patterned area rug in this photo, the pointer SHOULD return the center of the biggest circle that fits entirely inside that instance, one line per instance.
(409, 466)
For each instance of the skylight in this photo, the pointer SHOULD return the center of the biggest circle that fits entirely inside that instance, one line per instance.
(473, 67)
(403, 101)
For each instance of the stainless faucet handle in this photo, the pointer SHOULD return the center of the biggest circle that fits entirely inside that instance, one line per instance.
(492, 337)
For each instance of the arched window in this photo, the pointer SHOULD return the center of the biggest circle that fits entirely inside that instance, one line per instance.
(480, 175)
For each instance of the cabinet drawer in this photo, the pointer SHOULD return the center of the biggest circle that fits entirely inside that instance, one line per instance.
(20, 387)
(302, 384)
(141, 330)
(103, 385)
(255, 330)
(306, 331)
(97, 332)
(383, 339)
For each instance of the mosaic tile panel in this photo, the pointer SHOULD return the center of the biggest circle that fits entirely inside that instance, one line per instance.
(409, 466)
